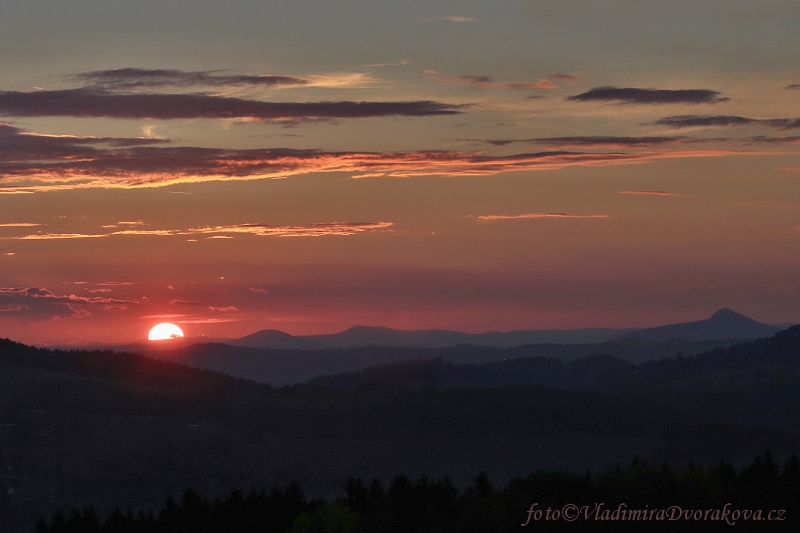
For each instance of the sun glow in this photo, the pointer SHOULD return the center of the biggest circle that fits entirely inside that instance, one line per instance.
(165, 331)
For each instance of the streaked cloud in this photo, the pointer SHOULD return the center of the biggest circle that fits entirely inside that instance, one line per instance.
(19, 225)
(607, 141)
(138, 78)
(694, 121)
(565, 77)
(487, 82)
(488, 218)
(91, 102)
(632, 95)
(793, 86)
(228, 309)
(52, 236)
(227, 232)
(653, 193)
(449, 18)
(138, 168)
(311, 230)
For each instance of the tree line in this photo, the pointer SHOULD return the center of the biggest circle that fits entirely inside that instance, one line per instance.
(663, 498)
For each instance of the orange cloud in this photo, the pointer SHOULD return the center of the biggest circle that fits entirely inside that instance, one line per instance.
(141, 167)
(485, 218)
(653, 193)
(312, 230)
(226, 232)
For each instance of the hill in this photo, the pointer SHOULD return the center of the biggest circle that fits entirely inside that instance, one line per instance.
(105, 429)
(286, 367)
(724, 324)
(360, 336)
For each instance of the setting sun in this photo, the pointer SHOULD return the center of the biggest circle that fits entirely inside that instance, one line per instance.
(165, 331)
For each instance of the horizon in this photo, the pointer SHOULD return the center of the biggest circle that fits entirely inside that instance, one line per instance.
(186, 339)
(460, 166)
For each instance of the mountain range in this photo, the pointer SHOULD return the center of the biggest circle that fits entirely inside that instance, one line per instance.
(280, 359)
(724, 324)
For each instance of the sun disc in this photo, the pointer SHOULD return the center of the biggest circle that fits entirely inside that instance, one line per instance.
(165, 331)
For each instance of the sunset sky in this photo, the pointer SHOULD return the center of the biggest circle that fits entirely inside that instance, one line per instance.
(310, 166)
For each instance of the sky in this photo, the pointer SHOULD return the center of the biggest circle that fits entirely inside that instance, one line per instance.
(308, 166)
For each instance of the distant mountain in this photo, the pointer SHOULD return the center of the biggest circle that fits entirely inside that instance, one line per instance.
(359, 336)
(724, 324)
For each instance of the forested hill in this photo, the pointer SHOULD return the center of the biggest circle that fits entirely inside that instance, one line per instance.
(118, 366)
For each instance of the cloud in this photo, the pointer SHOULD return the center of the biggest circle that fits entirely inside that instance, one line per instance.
(39, 304)
(486, 82)
(450, 18)
(790, 169)
(259, 291)
(184, 302)
(770, 140)
(138, 78)
(91, 102)
(311, 230)
(229, 309)
(630, 95)
(793, 86)
(694, 121)
(155, 166)
(653, 193)
(565, 77)
(227, 232)
(487, 218)
(53, 236)
(604, 141)
(18, 225)
(16, 144)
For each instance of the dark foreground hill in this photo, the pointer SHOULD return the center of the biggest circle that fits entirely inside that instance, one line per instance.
(754, 383)
(103, 429)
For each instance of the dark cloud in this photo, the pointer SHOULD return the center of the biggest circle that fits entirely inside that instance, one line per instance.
(486, 82)
(26, 170)
(38, 304)
(477, 80)
(631, 95)
(88, 102)
(138, 78)
(565, 77)
(793, 86)
(17, 144)
(604, 141)
(692, 121)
